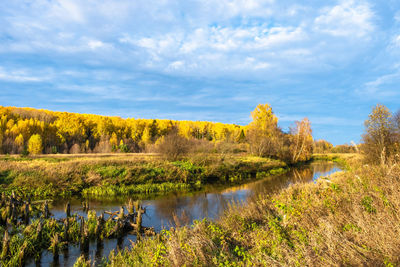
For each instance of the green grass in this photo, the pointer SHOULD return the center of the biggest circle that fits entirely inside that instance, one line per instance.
(44, 177)
(122, 190)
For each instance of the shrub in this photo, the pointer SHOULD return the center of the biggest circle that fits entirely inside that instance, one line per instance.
(173, 146)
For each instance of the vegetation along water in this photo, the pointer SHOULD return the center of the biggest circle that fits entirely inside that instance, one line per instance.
(196, 194)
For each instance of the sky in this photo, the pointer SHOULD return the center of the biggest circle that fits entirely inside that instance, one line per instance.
(213, 60)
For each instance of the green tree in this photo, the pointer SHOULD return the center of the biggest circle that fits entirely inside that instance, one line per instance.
(35, 145)
(122, 147)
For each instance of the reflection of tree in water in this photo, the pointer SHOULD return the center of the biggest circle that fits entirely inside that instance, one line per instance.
(212, 203)
(302, 175)
(322, 167)
(188, 208)
(275, 184)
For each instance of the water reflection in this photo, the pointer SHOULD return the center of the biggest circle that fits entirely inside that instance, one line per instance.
(160, 212)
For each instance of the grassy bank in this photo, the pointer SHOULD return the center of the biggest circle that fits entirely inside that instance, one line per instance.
(112, 175)
(351, 219)
(342, 159)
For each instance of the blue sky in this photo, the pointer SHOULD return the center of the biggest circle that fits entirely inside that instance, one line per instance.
(215, 60)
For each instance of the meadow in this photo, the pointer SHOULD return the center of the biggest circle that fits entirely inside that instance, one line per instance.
(102, 175)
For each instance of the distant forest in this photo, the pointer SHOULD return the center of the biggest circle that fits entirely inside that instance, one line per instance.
(33, 131)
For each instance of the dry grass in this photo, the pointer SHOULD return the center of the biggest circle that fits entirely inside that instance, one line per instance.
(350, 219)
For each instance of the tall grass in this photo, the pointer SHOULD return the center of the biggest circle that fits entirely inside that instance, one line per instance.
(350, 219)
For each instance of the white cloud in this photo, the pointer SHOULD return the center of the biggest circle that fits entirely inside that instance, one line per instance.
(67, 10)
(321, 120)
(395, 42)
(211, 37)
(217, 48)
(383, 86)
(350, 18)
(397, 16)
(94, 44)
(224, 9)
(278, 36)
(176, 65)
(20, 76)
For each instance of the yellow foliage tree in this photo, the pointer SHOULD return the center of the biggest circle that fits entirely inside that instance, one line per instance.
(146, 137)
(19, 142)
(264, 119)
(263, 131)
(35, 144)
(114, 140)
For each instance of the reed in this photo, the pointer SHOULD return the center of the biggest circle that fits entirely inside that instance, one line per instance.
(27, 238)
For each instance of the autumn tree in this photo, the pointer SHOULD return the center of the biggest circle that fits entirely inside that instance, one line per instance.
(378, 136)
(114, 141)
(153, 130)
(75, 149)
(146, 137)
(1, 142)
(19, 142)
(301, 147)
(64, 132)
(322, 146)
(35, 145)
(241, 137)
(262, 131)
(396, 131)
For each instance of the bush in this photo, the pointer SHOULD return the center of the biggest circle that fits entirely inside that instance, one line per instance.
(173, 146)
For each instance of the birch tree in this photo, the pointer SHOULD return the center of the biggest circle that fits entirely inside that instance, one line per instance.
(302, 141)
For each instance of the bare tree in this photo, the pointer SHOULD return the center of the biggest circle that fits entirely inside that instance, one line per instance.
(302, 141)
(173, 146)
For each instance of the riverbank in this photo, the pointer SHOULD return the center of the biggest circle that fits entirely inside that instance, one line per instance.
(349, 219)
(68, 233)
(108, 175)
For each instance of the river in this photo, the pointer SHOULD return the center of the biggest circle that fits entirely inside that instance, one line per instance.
(180, 208)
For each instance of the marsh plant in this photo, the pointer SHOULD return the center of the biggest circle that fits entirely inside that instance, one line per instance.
(27, 238)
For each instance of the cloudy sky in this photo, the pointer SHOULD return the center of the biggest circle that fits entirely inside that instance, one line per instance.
(215, 60)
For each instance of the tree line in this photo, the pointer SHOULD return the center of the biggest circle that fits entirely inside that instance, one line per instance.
(62, 132)
(33, 131)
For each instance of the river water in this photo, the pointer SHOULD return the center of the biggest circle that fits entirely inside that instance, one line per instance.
(163, 211)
